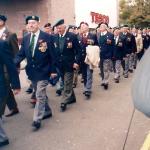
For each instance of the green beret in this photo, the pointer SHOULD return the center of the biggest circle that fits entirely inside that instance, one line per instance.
(32, 18)
(2, 17)
(60, 22)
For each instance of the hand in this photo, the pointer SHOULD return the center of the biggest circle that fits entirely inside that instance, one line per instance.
(16, 91)
(75, 66)
(108, 41)
(53, 75)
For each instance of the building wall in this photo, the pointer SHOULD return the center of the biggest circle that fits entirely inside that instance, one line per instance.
(47, 10)
(62, 9)
(17, 10)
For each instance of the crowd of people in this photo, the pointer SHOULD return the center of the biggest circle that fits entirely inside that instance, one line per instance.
(57, 55)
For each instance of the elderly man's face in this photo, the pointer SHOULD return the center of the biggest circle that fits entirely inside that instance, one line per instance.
(84, 28)
(61, 29)
(2, 23)
(103, 28)
(33, 26)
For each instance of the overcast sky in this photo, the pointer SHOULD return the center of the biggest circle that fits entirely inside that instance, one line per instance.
(106, 7)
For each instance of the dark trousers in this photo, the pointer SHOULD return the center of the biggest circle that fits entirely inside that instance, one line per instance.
(68, 93)
(9, 99)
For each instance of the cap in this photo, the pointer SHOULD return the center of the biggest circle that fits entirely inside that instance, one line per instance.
(32, 18)
(59, 22)
(2, 17)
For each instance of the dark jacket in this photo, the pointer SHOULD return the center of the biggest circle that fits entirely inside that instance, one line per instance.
(106, 44)
(42, 64)
(6, 59)
(69, 53)
(129, 41)
(119, 49)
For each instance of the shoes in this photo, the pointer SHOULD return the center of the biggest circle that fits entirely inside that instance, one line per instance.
(130, 70)
(88, 94)
(29, 90)
(13, 112)
(4, 143)
(71, 101)
(58, 92)
(36, 125)
(102, 84)
(33, 96)
(47, 116)
(63, 107)
(105, 86)
(125, 76)
(116, 80)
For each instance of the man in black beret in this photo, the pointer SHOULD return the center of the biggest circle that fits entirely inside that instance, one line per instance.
(48, 28)
(11, 39)
(69, 55)
(37, 47)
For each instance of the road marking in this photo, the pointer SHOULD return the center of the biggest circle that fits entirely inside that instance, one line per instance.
(146, 145)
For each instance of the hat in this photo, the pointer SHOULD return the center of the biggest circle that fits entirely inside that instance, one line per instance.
(84, 23)
(32, 18)
(72, 27)
(125, 26)
(60, 22)
(47, 25)
(103, 23)
(2, 17)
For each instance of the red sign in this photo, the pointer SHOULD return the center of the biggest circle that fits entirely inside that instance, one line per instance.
(99, 18)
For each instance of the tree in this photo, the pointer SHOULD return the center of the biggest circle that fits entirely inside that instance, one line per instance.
(135, 12)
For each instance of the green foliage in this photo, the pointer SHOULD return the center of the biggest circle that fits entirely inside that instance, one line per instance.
(135, 12)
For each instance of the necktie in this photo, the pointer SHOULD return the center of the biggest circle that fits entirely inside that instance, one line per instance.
(61, 41)
(32, 42)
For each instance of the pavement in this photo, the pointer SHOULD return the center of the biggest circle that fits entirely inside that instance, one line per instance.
(101, 123)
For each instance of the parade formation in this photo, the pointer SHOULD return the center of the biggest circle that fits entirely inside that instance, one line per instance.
(57, 55)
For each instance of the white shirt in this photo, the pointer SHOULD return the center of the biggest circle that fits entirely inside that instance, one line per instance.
(103, 33)
(35, 40)
(2, 31)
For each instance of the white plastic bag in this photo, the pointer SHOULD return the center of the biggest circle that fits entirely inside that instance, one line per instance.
(141, 85)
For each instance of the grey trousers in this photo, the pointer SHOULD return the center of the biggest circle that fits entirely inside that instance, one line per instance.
(105, 68)
(89, 81)
(117, 69)
(3, 135)
(68, 93)
(41, 108)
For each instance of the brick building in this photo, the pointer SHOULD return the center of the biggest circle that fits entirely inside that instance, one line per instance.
(48, 10)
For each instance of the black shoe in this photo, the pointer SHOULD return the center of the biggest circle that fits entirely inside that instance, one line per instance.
(130, 70)
(102, 84)
(29, 91)
(4, 143)
(13, 112)
(47, 116)
(58, 92)
(63, 107)
(33, 96)
(36, 125)
(71, 101)
(88, 94)
(105, 86)
(125, 76)
(116, 80)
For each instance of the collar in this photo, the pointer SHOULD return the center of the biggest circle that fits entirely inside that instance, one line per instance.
(104, 33)
(62, 35)
(36, 33)
(3, 29)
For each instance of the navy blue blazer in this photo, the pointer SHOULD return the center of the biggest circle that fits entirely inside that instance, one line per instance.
(42, 64)
(119, 49)
(91, 39)
(69, 54)
(130, 44)
(106, 44)
(6, 59)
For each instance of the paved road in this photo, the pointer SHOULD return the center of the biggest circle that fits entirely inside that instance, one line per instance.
(98, 124)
